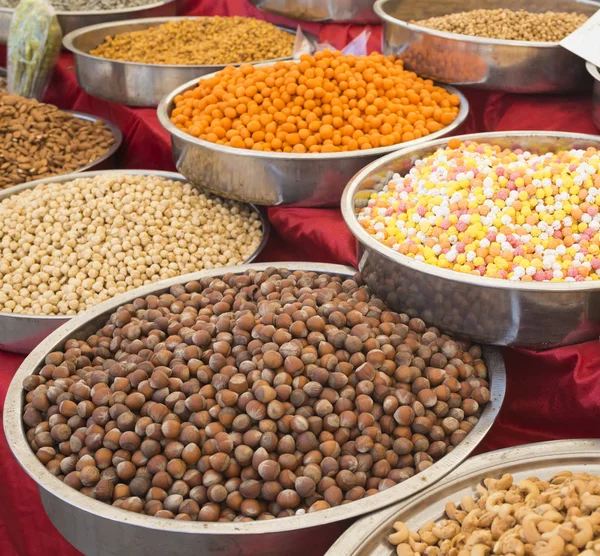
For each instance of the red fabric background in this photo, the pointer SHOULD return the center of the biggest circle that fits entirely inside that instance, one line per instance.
(550, 395)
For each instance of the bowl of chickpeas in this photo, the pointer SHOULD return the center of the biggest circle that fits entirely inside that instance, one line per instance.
(295, 132)
(73, 241)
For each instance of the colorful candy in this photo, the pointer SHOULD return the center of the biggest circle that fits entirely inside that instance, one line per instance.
(479, 209)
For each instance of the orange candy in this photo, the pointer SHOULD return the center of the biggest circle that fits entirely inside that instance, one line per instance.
(328, 102)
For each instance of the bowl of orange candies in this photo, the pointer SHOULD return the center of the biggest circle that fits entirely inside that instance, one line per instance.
(296, 132)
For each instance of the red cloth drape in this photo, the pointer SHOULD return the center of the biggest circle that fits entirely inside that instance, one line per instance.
(550, 395)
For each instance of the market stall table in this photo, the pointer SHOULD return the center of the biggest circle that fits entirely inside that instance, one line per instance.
(551, 395)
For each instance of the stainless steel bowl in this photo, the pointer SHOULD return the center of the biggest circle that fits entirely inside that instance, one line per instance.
(337, 11)
(302, 180)
(593, 70)
(488, 310)
(499, 65)
(98, 529)
(21, 333)
(129, 83)
(69, 21)
(368, 536)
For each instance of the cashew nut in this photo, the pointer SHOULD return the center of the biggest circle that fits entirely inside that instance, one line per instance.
(590, 502)
(453, 513)
(500, 525)
(554, 547)
(503, 483)
(401, 534)
(530, 530)
(480, 550)
(446, 530)
(415, 544)
(467, 503)
(585, 534)
(530, 487)
(404, 550)
(494, 501)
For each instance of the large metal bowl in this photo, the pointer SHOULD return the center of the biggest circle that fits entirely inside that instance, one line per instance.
(499, 65)
(21, 333)
(100, 529)
(69, 21)
(533, 315)
(302, 180)
(368, 536)
(593, 70)
(130, 83)
(337, 11)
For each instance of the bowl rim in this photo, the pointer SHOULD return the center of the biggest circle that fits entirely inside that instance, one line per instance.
(8, 192)
(69, 39)
(523, 457)
(593, 70)
(66, 14)
(15, 434)
(348, 214)
(166, 106)
(379, 9)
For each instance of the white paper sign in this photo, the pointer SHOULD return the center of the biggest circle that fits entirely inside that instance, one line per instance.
(585, 41)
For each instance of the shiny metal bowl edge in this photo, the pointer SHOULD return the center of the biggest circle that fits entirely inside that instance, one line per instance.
(70, 21)
(336, 11)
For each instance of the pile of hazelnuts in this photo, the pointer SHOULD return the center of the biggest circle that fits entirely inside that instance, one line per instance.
(252, 396)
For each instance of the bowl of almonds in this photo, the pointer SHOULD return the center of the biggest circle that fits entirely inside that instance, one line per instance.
(37, 140)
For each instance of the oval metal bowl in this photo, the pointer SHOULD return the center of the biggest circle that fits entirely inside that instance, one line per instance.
(534, 315)
(21, 333)
(301, 180)
(336, 11)
(593, 71)
(130, 83)
(99, 529)
(70, 21)
(368, 536)
(499, 65)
